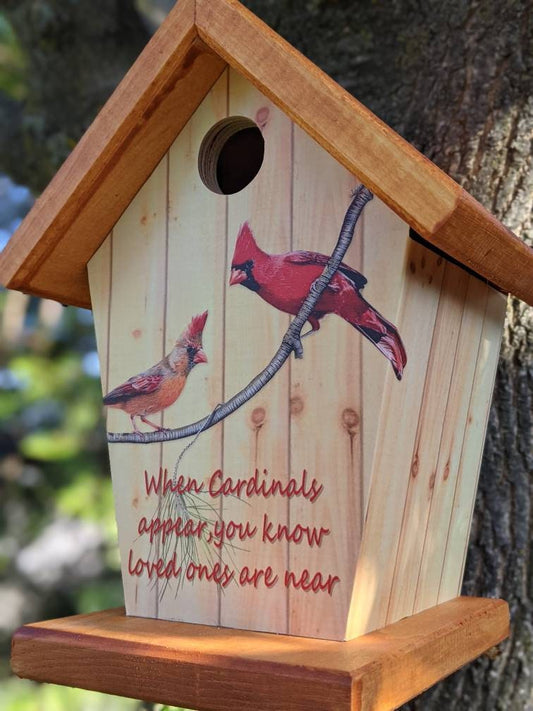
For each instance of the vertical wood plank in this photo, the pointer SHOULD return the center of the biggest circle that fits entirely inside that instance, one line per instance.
(455, 425)
(427, 442)
(385, 244)
(196, 277)
(99, 269)
(326, 406)
(256, 436)
(478, 411)
(137, 323)
(391, 469)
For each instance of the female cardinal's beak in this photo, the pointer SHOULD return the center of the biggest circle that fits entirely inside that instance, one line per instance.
(237, 277)
(200, 357)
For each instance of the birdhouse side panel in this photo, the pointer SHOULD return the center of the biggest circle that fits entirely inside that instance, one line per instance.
(428, 439)
(428, 449)
(472, 449)
(455, 434)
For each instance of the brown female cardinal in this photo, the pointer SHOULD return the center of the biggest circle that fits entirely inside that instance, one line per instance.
(283, 280)
(161, 385)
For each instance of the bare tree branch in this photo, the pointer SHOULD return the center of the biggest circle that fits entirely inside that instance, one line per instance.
(291, 340)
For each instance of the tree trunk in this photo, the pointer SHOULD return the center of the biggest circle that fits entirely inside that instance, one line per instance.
(76, 53)
(456, 79)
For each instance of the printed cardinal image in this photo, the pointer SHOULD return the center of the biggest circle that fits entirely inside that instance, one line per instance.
(284, 280)
(161, 385)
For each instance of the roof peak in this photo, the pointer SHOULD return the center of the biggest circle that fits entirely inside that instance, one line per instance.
(49, 252)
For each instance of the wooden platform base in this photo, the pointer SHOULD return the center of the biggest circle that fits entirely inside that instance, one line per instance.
(208, 668)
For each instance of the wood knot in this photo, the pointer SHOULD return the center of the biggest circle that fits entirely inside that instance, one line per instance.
(136, 333)
(258, 417)
(446, 471)
(296, 405)
(432, 481)
(262, 116)
(415, 466)
(350, 420)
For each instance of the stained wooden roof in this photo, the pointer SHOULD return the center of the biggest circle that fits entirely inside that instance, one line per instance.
(47, 256)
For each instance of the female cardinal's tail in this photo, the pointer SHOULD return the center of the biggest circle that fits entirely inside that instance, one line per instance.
(382, 334)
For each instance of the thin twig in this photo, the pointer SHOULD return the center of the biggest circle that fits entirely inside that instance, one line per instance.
(292, 340)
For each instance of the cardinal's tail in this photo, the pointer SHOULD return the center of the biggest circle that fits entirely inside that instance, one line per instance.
(384, 335)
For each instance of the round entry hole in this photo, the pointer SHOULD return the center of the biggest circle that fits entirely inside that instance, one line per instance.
(231, 155)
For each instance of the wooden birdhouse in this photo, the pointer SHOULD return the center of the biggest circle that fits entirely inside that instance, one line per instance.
(324, 496)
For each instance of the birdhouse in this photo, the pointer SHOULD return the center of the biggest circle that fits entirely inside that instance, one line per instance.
(227, 194)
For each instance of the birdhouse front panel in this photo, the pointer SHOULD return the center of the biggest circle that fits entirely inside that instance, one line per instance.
(337, 497)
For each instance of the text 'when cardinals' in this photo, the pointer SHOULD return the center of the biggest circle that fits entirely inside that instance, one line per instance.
(259, 484)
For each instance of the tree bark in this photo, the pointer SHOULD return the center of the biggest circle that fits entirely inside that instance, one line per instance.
(76, 53)
(456, 79)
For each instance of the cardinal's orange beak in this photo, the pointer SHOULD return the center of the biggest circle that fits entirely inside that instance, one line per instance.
(237, 277)
(200, 357)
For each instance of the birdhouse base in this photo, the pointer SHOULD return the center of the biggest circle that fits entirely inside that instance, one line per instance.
(202, 667)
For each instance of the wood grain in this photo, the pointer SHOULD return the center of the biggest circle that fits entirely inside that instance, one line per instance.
(196, 282)
(384, 253)
(392, 465)
(421, 194)
(257, 435)
(466, 483)
(136, 341)
(49, 252)
(451, 446)
(221, 669)
(100, 270)
(427, 443)
(327, 408)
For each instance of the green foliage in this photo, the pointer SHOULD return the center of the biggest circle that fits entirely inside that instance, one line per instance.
(12, 62)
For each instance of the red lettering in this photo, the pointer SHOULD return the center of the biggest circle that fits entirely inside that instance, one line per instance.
(167, 527)
(163, 484)
(159, 568)
(311, 534)
(249, 577)
(219, 485)
(151, 485)
(219, 574)
(317, 583)
(224, 531)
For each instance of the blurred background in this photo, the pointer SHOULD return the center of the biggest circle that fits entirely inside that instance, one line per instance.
(58, 540)
(455, 79)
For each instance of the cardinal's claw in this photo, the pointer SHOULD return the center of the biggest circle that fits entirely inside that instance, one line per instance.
(295, 343)
(308, 333)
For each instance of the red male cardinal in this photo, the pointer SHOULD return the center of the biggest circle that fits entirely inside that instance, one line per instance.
(161, 385)
(283, 280)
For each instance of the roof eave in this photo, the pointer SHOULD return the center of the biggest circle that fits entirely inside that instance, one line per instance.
(155, 100)
(48, 254)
